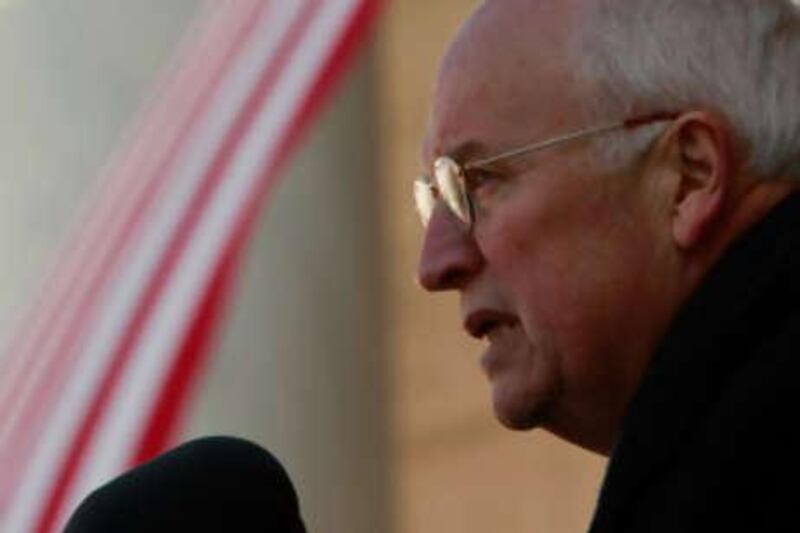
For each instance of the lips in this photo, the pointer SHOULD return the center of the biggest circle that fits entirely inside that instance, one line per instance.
(487, 322)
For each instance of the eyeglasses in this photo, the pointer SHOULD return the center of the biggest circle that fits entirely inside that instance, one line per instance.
(450, 177)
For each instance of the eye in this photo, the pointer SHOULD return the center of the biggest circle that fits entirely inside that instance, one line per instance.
(481, 179)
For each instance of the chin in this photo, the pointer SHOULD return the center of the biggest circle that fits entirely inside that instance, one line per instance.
(520, 423)
(518, 414)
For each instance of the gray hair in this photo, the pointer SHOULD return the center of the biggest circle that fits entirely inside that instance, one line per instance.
(740, 58)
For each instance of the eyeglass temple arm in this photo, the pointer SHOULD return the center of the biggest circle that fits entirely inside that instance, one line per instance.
(629, 124)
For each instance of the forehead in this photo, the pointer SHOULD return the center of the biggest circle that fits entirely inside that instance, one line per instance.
(506, 78)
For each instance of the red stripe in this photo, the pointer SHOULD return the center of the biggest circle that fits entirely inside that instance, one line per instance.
(78, 322)
(67, 299)
(54, 279)
(168, 409)
(16, 455)
(124, 351)
(47, 309)
(190, 359)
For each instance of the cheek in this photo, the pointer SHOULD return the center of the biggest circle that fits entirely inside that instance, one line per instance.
(567, 274)
(537, 221)
(543, 264)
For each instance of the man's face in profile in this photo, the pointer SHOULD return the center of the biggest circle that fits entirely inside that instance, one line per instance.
(556, 273)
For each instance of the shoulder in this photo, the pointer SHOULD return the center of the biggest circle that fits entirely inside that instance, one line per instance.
(742, 463)
(739, 467)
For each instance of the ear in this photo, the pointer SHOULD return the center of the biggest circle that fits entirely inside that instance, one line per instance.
(702, 170)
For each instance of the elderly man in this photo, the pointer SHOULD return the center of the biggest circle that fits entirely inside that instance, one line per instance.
(611, 193)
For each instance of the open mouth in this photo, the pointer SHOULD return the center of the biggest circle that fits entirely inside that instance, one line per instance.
(489, 324)
(501, 332)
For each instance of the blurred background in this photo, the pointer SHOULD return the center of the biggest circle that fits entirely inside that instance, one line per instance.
(330, 355)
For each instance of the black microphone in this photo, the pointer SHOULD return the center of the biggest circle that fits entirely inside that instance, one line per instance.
(219, 484)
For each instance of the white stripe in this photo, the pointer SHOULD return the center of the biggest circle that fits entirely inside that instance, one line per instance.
(105, 191)
(116, 436)
(101, 190)
(169, 320)
(112, 202)
(10, 485)
(117, 304)
(11, 438)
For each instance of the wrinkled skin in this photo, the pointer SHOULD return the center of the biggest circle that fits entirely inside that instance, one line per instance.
(572, 271)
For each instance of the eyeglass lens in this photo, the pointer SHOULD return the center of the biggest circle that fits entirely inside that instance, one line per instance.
(449, 185)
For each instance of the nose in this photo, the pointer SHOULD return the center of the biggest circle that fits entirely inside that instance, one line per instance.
(450, 257)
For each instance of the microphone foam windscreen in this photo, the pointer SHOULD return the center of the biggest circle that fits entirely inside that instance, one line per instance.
(220, 484)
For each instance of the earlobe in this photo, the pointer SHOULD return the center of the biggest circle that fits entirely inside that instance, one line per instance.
(703, 176)
(695, 215)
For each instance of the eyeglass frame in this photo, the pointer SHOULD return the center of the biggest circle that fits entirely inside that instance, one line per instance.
(468, 215)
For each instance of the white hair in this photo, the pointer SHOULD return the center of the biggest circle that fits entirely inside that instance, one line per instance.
(740, 58)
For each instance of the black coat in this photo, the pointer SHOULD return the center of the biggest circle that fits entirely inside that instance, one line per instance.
(709, 441)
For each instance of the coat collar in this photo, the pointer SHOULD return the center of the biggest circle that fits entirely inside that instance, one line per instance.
(741, 298)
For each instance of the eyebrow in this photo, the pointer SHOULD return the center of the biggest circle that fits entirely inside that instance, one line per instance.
(467, 150)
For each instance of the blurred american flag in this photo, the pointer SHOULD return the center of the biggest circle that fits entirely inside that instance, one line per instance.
(98, 373)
